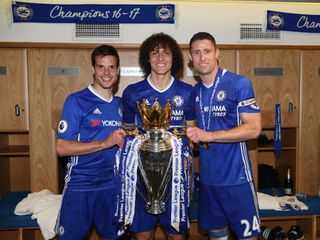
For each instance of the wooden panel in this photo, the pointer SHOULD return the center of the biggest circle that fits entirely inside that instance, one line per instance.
(4, 175)
(13, 234)
(61, 86)
(128, 58)
(309, 167)
(270, 90)
(18, 139)
(19, 174)
(227, 60)
(14, 90)
(43, 163)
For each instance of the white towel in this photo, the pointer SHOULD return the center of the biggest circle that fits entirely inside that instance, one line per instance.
(268, 202)
(44, 206)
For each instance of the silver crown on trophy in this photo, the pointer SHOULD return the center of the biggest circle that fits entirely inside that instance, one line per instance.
(155, 117)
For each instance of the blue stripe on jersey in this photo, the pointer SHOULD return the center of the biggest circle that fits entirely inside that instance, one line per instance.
(73, 162)
(246, 160)
(255, 199)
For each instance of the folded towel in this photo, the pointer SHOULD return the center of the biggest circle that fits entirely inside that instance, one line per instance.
(268, 202)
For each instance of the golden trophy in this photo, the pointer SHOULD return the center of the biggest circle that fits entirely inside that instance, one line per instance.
(155, 161)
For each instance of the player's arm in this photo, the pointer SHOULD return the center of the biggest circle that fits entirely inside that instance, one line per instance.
(190, 109)
(249, 129)
(191, 123)
(128, 108)
(72, 148)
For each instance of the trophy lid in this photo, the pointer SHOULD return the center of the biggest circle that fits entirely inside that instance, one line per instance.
(155, 116)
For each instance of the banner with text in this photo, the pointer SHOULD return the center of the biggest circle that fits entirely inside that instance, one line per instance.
(92, 13)
(293, 22)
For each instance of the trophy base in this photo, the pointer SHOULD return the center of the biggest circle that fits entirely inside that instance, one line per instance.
(156, 207)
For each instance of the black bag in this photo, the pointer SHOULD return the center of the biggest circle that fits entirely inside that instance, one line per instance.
(267, 177)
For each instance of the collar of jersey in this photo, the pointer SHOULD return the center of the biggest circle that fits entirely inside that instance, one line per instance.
(211, 84)
(91, 89)
(158, 90)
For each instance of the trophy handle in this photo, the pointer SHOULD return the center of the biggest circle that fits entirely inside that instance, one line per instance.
(144, 178)
(142, 195)
(164, 183)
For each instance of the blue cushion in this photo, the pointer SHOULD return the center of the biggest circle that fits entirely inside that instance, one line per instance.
(8, 219)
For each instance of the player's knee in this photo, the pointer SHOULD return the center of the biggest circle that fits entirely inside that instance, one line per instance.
(176, 237)
(221, 235)
(143, 236)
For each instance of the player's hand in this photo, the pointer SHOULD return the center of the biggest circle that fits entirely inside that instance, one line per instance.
(196, 134)
(116, 138)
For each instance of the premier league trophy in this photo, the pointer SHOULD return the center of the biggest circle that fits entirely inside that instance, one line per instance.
(155, 161)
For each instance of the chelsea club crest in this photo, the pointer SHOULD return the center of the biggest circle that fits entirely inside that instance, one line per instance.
(178, 100)
(164, 13)
(221, 95)
(23, 12)
(276, 20)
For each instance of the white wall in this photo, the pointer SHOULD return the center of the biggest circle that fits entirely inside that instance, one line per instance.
(221, 18)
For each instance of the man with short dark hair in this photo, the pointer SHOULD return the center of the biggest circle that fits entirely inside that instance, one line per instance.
(89, 134)
(227, 116)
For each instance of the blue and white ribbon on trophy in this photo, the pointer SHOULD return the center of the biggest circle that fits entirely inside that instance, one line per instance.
(176, 185)
(125, 169)
(126, 173)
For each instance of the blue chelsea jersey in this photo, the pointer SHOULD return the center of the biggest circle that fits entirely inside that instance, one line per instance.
(218, 107)
(178, 92)
(88, 117)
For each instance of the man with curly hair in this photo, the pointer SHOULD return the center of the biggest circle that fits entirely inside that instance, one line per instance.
(161, 61)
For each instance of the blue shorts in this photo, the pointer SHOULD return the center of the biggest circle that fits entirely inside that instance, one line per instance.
(146, 222)
(81, 210)
(235, 206)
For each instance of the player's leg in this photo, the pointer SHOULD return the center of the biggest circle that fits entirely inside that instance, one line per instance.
(211, 217)
(103, 202)
(241, 207)
(75, 216)
(143, 223)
